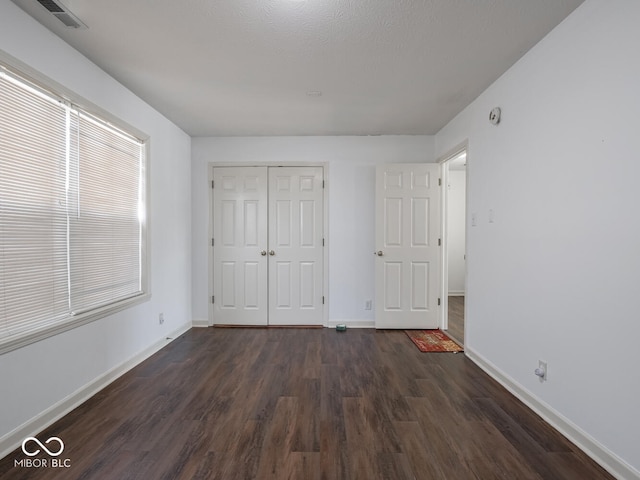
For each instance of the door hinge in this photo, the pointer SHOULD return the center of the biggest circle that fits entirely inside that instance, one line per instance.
(213, 242)
(323, 242)
(439, 182)
(213, 299)
(323, 299)
(212, 183)
(439, 242)
(438, 301)
(322, 183)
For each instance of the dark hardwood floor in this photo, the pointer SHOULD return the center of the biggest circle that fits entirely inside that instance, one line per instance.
(305, 404)
(456, 318)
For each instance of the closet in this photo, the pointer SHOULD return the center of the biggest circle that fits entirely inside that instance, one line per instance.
(267, 241)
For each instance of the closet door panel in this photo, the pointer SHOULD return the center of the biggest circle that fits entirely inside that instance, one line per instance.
(296, 246)
(239, 239)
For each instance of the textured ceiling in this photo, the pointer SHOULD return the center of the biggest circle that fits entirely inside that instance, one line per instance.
(244, 67)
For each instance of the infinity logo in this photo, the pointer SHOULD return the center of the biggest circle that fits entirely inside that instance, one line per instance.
(49, 452)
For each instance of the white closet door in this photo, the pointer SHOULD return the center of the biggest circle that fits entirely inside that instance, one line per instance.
(240, 246)
(407, 246)
(295, 246)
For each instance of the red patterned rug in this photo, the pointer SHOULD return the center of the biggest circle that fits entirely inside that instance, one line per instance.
(433, 341)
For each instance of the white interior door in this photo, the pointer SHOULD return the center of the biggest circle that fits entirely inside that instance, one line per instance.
(407, 246)
(268, 243)
(240, 246)
(295, 246)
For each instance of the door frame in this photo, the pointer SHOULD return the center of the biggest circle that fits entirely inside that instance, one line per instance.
(325, 226)
(444, 205)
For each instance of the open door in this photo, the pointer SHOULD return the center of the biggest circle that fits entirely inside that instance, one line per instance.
(407, 246)
(454, 182)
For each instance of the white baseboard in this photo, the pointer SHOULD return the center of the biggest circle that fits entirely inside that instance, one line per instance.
(456, 293)
(200, 323)
(37, 424)
(598, 452)
(352, 323)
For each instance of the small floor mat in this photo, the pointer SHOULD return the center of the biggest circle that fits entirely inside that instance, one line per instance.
(433, 341)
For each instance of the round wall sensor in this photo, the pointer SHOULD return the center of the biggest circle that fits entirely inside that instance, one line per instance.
(494, 116)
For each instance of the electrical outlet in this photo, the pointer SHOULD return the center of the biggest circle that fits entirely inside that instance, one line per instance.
(367, 305)
(161, 318)
(541, 371)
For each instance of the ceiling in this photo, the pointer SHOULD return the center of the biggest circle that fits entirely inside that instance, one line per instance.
(306, 67)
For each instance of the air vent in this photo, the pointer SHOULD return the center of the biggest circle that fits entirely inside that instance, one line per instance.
(52, 6)
(62, 13)
(68, 20)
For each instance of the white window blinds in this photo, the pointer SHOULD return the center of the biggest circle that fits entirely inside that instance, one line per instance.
(104, 218)
(33, 223)
(71, 211)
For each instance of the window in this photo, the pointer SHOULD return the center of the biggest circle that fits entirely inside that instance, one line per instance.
(72, 214)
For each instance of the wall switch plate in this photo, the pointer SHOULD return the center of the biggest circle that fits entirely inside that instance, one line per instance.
(368, 304)
(161, 318)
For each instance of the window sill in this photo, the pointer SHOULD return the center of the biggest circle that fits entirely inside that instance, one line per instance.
(23, 339)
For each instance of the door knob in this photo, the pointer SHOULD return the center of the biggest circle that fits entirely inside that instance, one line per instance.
(271, 252)
(263, 253)
(379, 253)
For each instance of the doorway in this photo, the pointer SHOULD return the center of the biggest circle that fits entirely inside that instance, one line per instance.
(454, 172)
(267, 241)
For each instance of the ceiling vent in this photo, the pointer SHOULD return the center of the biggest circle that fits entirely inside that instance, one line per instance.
(62, 13)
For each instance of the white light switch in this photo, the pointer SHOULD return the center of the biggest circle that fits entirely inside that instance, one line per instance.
(491, 216)
(474, 219)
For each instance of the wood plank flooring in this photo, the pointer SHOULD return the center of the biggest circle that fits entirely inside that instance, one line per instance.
(456, 318)
(305, 404)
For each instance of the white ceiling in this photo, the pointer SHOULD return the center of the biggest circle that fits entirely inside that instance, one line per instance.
(244, 67)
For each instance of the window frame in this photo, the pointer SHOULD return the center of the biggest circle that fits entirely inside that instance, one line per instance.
(55, 89)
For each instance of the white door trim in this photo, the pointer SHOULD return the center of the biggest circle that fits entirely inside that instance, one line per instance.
(444, 280)
(325, 210)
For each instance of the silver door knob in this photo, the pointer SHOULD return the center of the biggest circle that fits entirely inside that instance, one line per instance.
(271, 252)
(379, 253)
(263, 253)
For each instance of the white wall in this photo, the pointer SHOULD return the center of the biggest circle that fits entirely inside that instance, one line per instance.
(37, 377)
(456, 195)
(351, 187)
(556, 276)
